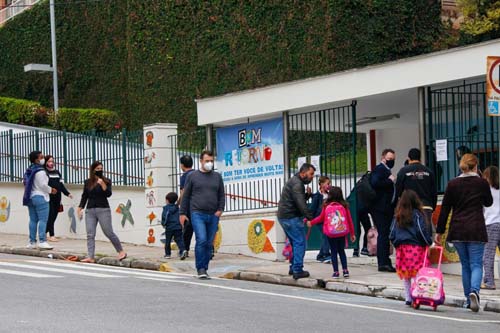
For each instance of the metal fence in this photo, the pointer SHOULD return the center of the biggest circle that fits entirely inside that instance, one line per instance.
(457, 114)
(121, 152)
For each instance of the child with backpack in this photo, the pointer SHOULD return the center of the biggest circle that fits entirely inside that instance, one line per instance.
(410, 236)
(173, 228)
(337, 224)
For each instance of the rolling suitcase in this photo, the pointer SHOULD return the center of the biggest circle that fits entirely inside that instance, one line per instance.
(428, 288)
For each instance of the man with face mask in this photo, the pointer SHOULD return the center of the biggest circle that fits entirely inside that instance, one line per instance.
(292, 208)
(382, 210)
(204, 198)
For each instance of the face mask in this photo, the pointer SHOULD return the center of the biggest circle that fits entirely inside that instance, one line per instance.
(99, 173)
(208, 166)
(390, 163)
(42, 161)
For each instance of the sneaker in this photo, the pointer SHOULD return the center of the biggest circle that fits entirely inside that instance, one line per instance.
(290, 272)
(474, 301)
(167, 257)
(409, 303)
(184, 255)
(300, 275)
(364, 251)
(202, 274)
(355, 253)
(31, 245)
(335, 275)
(389, 269)
(327, 260)
(345, 273)
(485, 286)
(45, 246)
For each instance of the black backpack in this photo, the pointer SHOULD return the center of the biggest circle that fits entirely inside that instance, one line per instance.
(364, 190)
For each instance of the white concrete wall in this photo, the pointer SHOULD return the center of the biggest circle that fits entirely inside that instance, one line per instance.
(398, 139)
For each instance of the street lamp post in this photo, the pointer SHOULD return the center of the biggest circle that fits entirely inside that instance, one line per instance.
(45, 67)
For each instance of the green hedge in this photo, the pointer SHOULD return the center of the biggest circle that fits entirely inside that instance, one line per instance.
(20, 111)
(149, 60)
(79, 120)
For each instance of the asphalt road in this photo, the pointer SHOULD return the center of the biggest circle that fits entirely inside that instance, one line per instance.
(43, 295)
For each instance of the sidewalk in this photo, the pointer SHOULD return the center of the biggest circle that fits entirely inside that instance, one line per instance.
(364, 280)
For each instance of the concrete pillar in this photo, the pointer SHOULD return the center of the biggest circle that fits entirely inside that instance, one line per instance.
(159, 167)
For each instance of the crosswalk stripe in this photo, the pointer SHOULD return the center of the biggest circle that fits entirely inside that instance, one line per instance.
(49, 269)
(119, 270)
(21, 273)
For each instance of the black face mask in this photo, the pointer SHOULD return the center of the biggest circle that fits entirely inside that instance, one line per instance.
(99, 173)
(390, 163)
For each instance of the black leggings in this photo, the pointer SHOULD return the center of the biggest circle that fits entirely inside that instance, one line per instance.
(337, 245)
(53, 211)
(187, 234)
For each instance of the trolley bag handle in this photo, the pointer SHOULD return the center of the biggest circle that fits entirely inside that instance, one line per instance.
(440, 248)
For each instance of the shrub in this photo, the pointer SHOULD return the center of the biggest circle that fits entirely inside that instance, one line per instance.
(79, 120)
(24, 112)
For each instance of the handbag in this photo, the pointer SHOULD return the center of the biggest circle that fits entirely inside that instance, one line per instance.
(60, 209)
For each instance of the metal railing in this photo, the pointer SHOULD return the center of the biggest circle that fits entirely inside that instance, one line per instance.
(15, 8)
(121, 152)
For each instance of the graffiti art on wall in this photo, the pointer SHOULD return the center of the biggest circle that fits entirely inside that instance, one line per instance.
(149, 179)
(148, 159)
(149, 138)
(151, 237)
(124, 210)
(152, 217)
(4, 209)
(258, 241)
(151, 198)
(218, 238)
(72, 218)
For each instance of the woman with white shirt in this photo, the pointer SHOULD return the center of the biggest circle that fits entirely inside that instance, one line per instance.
(492, 220)
(37, 196)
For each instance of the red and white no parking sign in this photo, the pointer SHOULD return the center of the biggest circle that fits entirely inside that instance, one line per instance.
(493, 85)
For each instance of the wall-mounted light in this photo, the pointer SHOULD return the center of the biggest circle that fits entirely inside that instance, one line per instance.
(374, 119)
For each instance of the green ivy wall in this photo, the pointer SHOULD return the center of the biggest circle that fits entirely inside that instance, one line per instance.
(149, 60)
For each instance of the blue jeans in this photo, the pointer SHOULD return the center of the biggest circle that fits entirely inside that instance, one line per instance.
(324, 251)
(205, 227)
(471, 258)
(39, 214)
(294, 230)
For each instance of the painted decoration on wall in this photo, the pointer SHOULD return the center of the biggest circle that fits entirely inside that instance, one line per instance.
(151, 237)
(258, 241)
(149, 138)
(125, 211)
(151, 217)
(148, 159)
(218, 238)
(151, 198)
(4, 209)
(72, 217)
(149, 179)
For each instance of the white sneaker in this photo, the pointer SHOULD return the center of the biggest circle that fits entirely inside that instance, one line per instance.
(45, 246)
(31, 245)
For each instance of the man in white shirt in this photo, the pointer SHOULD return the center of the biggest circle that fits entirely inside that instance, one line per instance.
(37, 191)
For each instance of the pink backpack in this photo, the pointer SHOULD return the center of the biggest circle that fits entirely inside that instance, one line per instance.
(336, 223)
(427, 288)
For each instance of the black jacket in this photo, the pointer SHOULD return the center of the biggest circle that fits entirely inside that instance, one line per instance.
(55, 181)
(293, 200)
(96, 197)
(385, 189)
(170, 218)
(416, 234)
(419, 178)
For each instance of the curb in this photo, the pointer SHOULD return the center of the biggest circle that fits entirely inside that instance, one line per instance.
(348, 287)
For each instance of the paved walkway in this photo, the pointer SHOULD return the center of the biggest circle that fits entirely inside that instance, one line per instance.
(364, 280)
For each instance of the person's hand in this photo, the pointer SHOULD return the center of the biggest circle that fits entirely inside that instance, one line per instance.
(183, 219)
(70, 196)
(437, 239)
(309, 190)
(392, 177)
(308, 223)
(353, 238)
(218, 213)
(100, 181)
(53, 191)
(79, 213)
